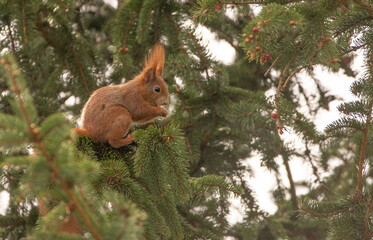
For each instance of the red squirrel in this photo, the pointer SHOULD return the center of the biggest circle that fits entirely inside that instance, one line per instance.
(110, 111)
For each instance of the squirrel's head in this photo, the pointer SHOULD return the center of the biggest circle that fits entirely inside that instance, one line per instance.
(155, 90)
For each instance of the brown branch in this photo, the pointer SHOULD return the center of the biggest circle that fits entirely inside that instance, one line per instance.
(24, 22)
(273, 64)
(249, 2)
(174, 167)
(127, 30)
(189, 146)
(50, 160)
(367, 6)
(367, 217)
(186, 67)
(293, 194)
(279, 124)
(241, 3)
(20, 221)
(314, 168)
(363, 148)
(80, 66)
(147, 19)
(353, 49)
(201, 85)
(11, 40)
(316, 214)
(203, 58)
(290, 76)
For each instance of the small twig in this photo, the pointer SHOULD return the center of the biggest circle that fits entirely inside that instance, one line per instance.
(279, 124)
(127, 30)
(189, 146)
(293, 192)
(353, 49)
(79, 64)
(314, 168)
(316, 214)
(367, 6)
(201, 85)
(273, 64)
(203, 57)
(11, 40)
(324, 45)
(367, 217)
(249, 2)
(290, 76)
(241, 3)
(186, 67)
(147, 19)
(363, 148)
(24, 22)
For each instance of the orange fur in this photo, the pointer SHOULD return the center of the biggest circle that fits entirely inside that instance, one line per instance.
(155, 60)
(110, 111)
(80, 131)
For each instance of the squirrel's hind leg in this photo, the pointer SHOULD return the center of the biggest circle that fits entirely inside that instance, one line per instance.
(120, 126)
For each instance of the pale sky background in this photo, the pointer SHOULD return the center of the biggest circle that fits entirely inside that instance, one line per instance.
(263, 181)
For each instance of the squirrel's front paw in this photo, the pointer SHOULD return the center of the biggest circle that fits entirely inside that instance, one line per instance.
(162, 112)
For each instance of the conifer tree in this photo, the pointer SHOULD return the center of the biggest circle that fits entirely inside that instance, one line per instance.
(175, 181)
(294, 36)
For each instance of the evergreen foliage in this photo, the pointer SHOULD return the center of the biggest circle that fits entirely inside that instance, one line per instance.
(176, 180)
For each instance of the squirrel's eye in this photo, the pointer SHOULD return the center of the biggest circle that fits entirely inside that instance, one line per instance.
(157, 89)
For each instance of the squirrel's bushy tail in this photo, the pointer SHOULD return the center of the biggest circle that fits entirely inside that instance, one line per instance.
(81, 132)
(155, 60)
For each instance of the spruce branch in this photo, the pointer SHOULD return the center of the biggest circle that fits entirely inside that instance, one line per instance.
(80, 66)
(186, 67)
(11, 221)
(125, 36)
(363, 147)
(365, 5)
(367, 218)
(290, 76)
(11, 40)
(175, 168)
(272, 65)
(314, 168)
(38, 141)
(202, 55)
(293, 194)
(279, 123)
(353, 49)
(241, 3)
(317, 214)
(250, 2)
(24, 22)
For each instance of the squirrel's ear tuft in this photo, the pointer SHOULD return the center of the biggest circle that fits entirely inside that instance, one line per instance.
(149, 75)
(155, 60)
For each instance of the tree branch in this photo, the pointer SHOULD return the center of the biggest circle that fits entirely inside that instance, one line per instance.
(24, 22)
(279, 124)
(363, 147)
(11, 40)
(367, 6)
(37, 139)
(250, 2)
(293, 194)
(316, 214)
(79, 64)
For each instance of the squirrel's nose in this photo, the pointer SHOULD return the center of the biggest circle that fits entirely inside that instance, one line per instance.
(165, 102)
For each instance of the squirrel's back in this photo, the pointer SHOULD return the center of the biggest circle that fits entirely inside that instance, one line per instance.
(93, 114)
